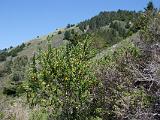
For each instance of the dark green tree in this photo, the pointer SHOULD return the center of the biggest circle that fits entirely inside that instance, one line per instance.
(60, 32)
(69, 25)
(67, 35)
(150, 6)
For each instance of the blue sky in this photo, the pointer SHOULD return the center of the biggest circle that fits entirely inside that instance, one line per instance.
(22, 20)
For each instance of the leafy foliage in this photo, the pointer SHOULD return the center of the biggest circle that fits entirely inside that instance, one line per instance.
(16, 69)
(145, 18)
(122, 32)
(39, 115)
(59, 32)
(11, 52)
(3, 56)
(151, 31)
(150, 6)
(62, 78)
(70, 25)
(16, 50)
(118, 98)
(105, 38)
(5, 69)
(67, 84)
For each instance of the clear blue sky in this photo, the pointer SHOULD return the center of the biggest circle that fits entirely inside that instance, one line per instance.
(22, 20)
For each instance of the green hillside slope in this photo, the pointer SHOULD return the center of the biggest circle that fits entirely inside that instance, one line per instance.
(105, 68)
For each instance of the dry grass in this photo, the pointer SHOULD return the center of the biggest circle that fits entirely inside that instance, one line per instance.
(16, 111)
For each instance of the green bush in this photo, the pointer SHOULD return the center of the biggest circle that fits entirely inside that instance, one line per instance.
(67, 35)
(151, 33)
(38, 115)
(1, 115)
(70, 25)
(62, 78)
(73, 36)
(105, 38)
(117, 26)
(17, 76)
(10, 91)
(2, 57)
(117, 97)
(16, 70)
(16, 50)
(6, 68)
(19, 63)
(59, 32)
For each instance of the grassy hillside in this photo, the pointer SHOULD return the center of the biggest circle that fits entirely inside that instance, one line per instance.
(106, 67)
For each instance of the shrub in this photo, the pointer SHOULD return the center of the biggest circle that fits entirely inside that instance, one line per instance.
(72, 36)
(39, 115)
(6, 68)
(118, 97)
(28, 44)
(62, 78)
(17, 76)
(69, 25)
(67, 35)
(10, 47)
(2, 57)
(1, 74)
(152, 31)
(10, 91)
(16, 50)
(106, 38)
(1, 115)
(20, 63)
(16, 69)
(72, 25)
(59, 32)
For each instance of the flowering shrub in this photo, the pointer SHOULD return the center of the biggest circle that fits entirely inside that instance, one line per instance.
(62, 78)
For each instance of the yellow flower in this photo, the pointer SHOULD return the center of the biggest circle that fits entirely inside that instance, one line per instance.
(66, 78)
(33, 78)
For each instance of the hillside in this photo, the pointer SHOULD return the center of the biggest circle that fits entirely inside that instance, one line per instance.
(104, 68)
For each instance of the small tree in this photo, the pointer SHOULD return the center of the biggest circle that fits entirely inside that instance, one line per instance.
(2, 57)
(67, 35)
(59, 32)
(150, 6)
(10, 47)
(68, 26)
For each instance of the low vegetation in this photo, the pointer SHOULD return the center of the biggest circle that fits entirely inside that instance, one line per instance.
(107, 70)
(10, 52)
